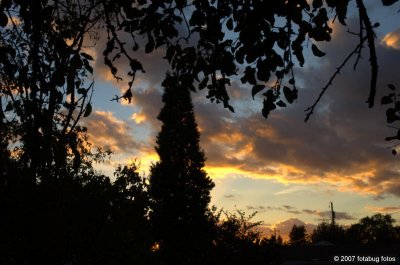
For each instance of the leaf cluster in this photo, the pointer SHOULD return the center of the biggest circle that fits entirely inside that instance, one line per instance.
(209, 43)
(392, 113)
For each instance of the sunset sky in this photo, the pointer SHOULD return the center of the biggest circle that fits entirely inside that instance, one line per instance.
(287, 170)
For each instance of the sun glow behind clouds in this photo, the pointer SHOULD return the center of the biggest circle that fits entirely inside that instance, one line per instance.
(392, 39)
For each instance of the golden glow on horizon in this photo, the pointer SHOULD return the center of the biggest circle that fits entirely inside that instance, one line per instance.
(380, 209)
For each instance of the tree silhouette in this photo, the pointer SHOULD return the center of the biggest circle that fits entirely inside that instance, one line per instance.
(238, 241)
(328, 232)
(75, 219)
(373, 229)
(44, 88)
(179, 186)
(298, 235)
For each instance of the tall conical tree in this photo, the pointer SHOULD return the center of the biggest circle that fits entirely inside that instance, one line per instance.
(179, 186)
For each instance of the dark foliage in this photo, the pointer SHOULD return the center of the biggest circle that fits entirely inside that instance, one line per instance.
(44, 88)
(238, 241)
(327, 232)
(392, 114)
(298, 236)
(204, 41)
(267, 38)
(75, 219)
(374, 229)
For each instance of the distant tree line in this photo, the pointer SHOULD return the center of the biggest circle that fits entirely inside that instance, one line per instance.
(375, 229)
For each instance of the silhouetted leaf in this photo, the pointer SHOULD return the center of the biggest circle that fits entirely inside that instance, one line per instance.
(203, 83)
(59, 77)
(263, 70)
(388, 2)
(256, 89)
(9, 106)
(136, 66)
(6, 3)
(387, 99)
(87, 65)
(298, 52)
(170, 53)
(316, 51)
(88, 110)
(392, 87)
(341, 10)
(3, 19)
(391, 115)
(249, 76)
(268, 105)
(150, 45)
(317, 3)
(76, 61)
(87, 56)
(82, 91)
(128, 95)
(229, 24)
(280, 103)
(290, 95)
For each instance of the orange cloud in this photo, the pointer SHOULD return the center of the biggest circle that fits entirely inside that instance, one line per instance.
(105, 130)
(392, 39)
(139, 117)
(382, 209)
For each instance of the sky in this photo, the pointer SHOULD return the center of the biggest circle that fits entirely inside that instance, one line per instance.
(285, 169)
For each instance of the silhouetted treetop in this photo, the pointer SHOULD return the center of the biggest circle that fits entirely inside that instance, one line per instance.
(377, 228)
(298, 235)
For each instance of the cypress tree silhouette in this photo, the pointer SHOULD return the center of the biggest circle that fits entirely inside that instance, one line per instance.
(179, 186)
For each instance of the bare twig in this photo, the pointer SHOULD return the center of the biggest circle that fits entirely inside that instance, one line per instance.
(372, 52)
(310, 110)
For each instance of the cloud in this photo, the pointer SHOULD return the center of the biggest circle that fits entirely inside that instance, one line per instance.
(392, 39)
(342, 145)
(105, 130)
(139, 117)
(256, 208)
(229, 196)
(328, 214)
(283, 208)
(382, 209)
(283, 228)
